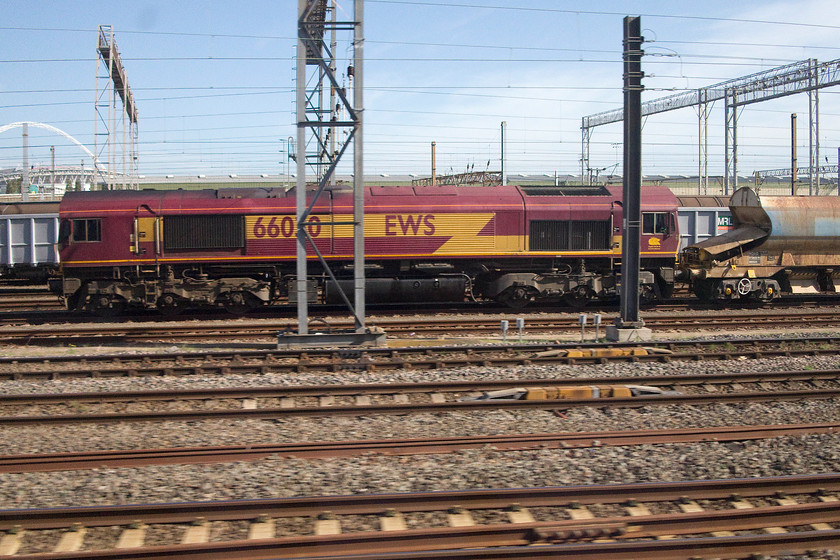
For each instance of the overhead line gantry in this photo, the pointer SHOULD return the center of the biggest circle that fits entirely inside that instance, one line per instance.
(806, 76)
(109, 67)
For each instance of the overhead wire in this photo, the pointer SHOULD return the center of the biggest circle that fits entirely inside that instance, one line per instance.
(464, 91)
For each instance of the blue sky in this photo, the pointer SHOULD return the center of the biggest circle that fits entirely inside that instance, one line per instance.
(214, 81)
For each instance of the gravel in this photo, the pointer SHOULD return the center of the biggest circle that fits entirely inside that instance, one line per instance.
(483, 468)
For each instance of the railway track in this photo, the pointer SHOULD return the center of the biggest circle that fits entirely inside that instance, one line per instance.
(30, 302)
(248, 361)
(652, 520)
(133, 458)
(358, 400)
(268, 329)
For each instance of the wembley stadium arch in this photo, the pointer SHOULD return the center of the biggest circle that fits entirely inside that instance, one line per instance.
(55, 175)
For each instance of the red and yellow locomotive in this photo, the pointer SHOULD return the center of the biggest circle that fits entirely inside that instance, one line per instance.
(236, 247)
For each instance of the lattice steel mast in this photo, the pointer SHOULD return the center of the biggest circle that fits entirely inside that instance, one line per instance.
(315, 69)
(115, 144)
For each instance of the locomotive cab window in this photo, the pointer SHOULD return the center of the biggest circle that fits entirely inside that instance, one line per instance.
(87, 230)
(655, 223)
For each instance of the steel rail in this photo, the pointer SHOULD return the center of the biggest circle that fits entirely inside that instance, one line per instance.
(465, 406)
(362, 504)
(482, 537)
(249, 352)
(413, 358)
(702, 547)
(515, 442)
(270, 327)
(418, 408)
(350, 389)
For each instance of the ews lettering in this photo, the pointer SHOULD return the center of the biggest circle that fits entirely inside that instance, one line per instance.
(398, 224)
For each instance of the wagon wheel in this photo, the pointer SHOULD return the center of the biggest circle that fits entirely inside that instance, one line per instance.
(703, 289)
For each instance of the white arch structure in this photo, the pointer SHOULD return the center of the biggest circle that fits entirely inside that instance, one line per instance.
(51, 128)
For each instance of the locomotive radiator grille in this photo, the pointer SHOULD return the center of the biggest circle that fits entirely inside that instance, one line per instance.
(569, 235)
(203, 232)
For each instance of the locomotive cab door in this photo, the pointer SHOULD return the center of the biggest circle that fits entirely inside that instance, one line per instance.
(657, 227)
(147, 244)
(147, 236)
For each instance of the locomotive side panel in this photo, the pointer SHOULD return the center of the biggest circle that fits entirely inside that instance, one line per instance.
(577, 235)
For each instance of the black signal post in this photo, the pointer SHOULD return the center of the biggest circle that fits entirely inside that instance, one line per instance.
(629, 324)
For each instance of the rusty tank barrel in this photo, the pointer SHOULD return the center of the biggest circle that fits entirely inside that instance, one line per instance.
(796, 224)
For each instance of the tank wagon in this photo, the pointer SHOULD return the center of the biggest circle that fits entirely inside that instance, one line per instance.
(778, 244)
(28, 234)
(236, 247)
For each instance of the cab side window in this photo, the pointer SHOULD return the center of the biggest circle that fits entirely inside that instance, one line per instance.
(87, 230)
(64, 232)
(654, 223)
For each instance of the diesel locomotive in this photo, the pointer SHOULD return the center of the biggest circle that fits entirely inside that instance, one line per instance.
(236, 248)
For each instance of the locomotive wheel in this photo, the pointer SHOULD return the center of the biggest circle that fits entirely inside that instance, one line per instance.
(517, 297)
(648, 294)
(238, 303)
(578, 298)
(107, 305)
(170, 305)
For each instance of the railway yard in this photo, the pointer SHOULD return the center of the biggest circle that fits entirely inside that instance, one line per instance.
(144, 437)
(253, 347)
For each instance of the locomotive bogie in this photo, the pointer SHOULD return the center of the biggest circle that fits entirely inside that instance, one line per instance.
(761, 289)
(576, 289)
(103, 296)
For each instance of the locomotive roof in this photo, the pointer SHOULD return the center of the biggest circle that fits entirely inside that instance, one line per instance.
(127, 198)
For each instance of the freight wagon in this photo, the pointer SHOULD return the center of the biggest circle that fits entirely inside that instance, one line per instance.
(28, 236)
(778, 244)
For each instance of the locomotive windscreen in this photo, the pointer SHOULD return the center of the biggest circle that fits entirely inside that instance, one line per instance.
(203, 232)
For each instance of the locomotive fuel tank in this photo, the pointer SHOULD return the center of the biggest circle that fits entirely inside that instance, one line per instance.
(403, 290)
(787, 243)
